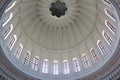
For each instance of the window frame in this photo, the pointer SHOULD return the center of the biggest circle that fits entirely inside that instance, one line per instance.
(66, 67)
(18, 51)
(7, 32)
(55, 67)
(101, 47)
(4, 22)
(85, 61)
(27, 58)
(94, 55)
(76, 65)
(110, 27)
(35, 63)
(12, 42)
(107, 38)
(45, 66)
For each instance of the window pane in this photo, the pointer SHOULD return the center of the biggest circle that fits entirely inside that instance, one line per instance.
(7, 31)
(55, 68)
(111, 27)
(10, 6)
(12, 42)
(94, 55)
(18, 51)
(66, 67)
(35, 63)
(101, 47)
(107, 38)
(85, 61)
(45, 66)
(27, 58)
(7, 19)
(76, 65)
(110, 14)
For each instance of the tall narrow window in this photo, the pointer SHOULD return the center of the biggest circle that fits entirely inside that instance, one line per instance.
(55, 68)
(107, 38)
(106, 1)
(101, 47)
(35, 63)
(45, 66)
(94, 55)
(18, 51)
(7, 20)
(66, 67)
(12, 42)
(110, 27)
(85, 61)
(76, 65)
(10, 6)
(110, 14)
(26, 58)
(7, 31)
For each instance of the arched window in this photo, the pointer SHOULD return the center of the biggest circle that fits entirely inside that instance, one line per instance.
(45, 66)
(35, 63)
(110, 27)
(7, 31)
(94, 55)
(26, 58)
(106, 1)
(18, 51)
(110, 14)
(12, 42)
(55, 68)
(66, 67)
(85, 61)
(101, 47)
(10, 6)
(107, 38)
(76, 65)
(7, 19)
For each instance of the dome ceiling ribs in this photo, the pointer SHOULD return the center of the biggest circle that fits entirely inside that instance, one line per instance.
(52, 36)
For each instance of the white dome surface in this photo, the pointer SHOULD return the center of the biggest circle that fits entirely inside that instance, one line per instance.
(59, 39)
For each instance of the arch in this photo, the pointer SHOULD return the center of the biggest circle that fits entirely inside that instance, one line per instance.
(107, 38)
(45, 66)
(106, 2)
(85, 61)
(35, 63)
(66, 67)
(26, 58)
(110, 14)
(110, 27)
(7, 20)
(101, 47)
(7, 32)
(10, 6)
(94, 55)
(76, 65)
(18, 51)
(55, 67)
(12, 42)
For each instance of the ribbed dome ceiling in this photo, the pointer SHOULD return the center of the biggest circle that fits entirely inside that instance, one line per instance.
(60, 39)
(58, 33)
